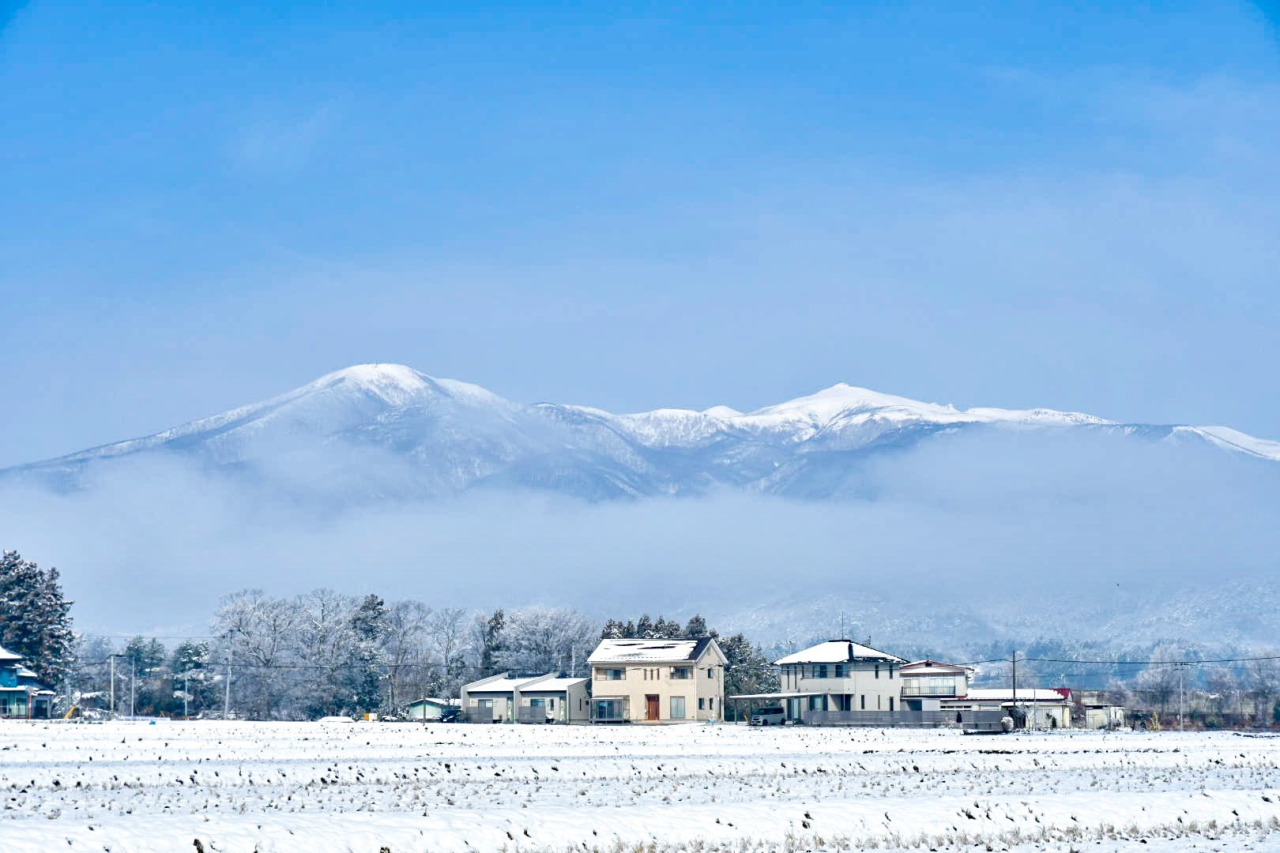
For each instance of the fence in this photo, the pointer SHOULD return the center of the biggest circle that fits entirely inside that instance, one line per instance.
(968, 720)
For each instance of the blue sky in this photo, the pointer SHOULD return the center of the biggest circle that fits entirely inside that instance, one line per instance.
(689, 204)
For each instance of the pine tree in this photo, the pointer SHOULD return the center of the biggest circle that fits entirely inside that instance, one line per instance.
(35, 619)
(369, 625)
(491, 642)
(696, 629)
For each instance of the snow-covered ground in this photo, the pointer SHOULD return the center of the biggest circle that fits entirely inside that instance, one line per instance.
(130, 786)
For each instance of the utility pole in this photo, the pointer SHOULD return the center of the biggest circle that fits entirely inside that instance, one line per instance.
(1014, 660)
(186, 694)
(113, 684)
(133, 690)
(1182, 699)
(226, 702)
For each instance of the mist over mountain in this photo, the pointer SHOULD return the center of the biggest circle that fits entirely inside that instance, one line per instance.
(922, 524)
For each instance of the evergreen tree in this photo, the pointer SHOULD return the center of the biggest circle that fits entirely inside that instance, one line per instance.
(35, 619)
(613, 630)
(644, 628)
(747, 670)
(491, 641)
(696, 628)
(369, 626)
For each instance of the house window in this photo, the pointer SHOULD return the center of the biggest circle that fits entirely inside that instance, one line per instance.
(682, 672)
(878, 703)
(677, 707)
(485, 703)
(820, 671)
(840, 671)
(863, 699)
(711, 672)
(877, 670)
(551, 703)
(890, 703)
(610, 675)
(711, 703)
(702, 704)
(890, 671)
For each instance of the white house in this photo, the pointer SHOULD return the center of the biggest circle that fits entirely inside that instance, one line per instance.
(838, 676)
(542, 699)
(657, 681)
(925, 683)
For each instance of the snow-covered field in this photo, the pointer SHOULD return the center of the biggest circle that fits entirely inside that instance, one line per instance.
(128, 786)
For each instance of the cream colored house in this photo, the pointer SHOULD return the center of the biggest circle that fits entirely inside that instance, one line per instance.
(657, 681)
(539, 699)
(839, 675)
(925, 683)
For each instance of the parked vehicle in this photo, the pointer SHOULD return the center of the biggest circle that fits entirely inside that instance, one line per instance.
(773, 716)
(451, 715)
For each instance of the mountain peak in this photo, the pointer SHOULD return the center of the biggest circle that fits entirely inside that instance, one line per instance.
(393, 383)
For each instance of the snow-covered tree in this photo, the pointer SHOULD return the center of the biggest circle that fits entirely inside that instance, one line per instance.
(447, 630)
(35, 619)
(1158, 683)
(406, 653)
(257, 635)
(365, 662)
(539, 639)
(488, 641)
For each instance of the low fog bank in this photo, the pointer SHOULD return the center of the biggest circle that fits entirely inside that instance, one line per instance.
(1004, 533)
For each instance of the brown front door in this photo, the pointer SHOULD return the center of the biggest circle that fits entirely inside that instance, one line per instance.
(651, 707)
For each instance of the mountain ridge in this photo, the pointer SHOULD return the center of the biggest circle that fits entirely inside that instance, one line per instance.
(457, 436)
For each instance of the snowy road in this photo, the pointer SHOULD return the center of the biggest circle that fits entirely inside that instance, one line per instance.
(127, 786)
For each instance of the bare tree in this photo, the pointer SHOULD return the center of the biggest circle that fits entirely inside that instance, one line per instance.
(539, 639)
(1158, 683)
(408, 657)
(259, 634)
(1222, 685)
(448, 636)
(1262, 676)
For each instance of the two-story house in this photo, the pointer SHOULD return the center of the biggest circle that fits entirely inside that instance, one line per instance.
(657, 681)
(839, 675)
(925, 683)
(22, 696)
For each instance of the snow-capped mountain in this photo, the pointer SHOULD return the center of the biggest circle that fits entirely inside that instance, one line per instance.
(385, 430)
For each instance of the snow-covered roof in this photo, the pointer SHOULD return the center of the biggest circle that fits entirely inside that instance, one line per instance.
(498, 685)
(431, 700)
(1025, 694)
(651, 651)
(838, 651)
(932, 667)
(23, 672)
(7, 656)
(551, 685)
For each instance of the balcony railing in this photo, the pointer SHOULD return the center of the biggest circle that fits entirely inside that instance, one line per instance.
(917, 690)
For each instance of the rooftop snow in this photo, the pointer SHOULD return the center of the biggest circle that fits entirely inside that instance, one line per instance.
(838, 651)
(656, 651)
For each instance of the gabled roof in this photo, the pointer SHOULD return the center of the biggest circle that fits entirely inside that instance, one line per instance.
(430, 700)
(7, 656)
(933, 667)
(551, 684)
(654, 651)
(838, 651)
(498, 684)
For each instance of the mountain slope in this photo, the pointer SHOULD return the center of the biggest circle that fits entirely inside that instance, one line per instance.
(388, 431)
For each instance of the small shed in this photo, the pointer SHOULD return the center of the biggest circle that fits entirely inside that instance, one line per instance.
(428, 708)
